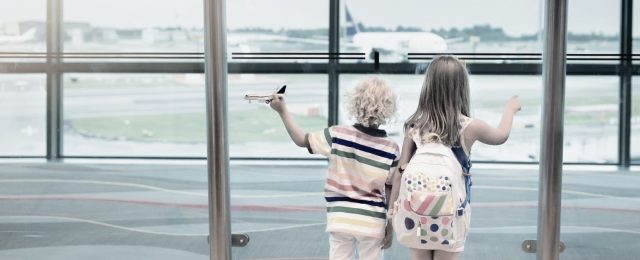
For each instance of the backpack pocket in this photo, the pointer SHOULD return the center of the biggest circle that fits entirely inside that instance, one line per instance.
(429, 195)
(427, 232)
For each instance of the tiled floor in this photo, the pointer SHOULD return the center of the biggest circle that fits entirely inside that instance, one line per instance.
(159, 211)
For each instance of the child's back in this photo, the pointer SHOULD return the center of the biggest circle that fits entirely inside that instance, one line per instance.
(440, 132)
(361, 158)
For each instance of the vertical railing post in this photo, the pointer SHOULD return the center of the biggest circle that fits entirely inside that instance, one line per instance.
(54, 79)
(217, 146)
(626, 41)
(553, 73)
(334, 49)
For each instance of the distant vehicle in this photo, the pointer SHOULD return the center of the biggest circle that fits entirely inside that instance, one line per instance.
(398, 44)
(25, 37)
(266, 98)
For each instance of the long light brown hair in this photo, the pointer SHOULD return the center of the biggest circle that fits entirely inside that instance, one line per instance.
(444, 97)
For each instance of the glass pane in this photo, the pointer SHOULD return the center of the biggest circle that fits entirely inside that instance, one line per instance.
(113, 211)
(591, 119)
(599, 209)
(636, 29)
(133, 26)
(281, 208)
(134, 115)
(255, 130)
(635, 120)
(277, 26)
(593, 26)
(23, 26)
(23, 127)
(410, 26)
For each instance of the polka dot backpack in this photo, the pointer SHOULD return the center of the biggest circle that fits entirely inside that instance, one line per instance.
(432, 211)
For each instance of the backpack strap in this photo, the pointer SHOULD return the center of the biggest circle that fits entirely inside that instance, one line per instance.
(465, 162)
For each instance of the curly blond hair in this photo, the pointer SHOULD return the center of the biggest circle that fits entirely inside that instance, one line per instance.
(371, 102)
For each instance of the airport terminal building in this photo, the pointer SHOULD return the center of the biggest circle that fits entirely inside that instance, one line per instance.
(126, 133)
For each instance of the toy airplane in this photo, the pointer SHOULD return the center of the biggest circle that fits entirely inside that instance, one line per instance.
(265, 98)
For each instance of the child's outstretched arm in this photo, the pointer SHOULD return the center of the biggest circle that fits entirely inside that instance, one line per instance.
(481, 131)
(297, 135)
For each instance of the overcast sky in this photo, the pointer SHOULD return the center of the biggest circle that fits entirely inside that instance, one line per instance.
(517, 17)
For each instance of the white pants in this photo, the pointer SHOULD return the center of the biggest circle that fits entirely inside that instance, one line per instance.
(342, 247)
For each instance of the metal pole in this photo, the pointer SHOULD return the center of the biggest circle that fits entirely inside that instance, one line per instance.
(217, 146)
(553, 72)
(334, 49)
(54, 82)
(624, 135)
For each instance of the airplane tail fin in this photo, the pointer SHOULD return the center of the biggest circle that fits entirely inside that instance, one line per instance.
(351, 27)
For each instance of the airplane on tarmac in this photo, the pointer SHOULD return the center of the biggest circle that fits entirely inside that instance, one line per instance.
(393, 43)
(25, 37)
(390, 44)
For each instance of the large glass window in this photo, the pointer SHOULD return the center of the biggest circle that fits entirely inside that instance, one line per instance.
(134, 115)
(23, 128)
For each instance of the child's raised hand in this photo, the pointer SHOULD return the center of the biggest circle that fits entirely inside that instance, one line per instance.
(277, 103)
(513, 104)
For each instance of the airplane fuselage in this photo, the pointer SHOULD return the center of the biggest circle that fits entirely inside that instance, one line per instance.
(401, 42)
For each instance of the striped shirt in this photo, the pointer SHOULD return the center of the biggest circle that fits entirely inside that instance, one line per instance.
(360, 162)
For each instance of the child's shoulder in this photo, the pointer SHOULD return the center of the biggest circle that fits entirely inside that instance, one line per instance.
(465, 121)
(365, 136)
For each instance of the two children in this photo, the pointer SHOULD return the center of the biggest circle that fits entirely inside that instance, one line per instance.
(363, 160)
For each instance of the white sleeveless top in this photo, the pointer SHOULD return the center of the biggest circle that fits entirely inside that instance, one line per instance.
(421, 139)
